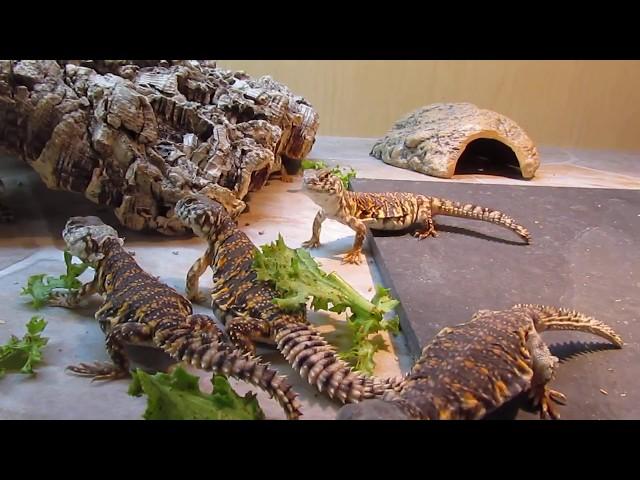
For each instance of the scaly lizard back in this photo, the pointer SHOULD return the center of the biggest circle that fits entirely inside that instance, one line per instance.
(470, 370)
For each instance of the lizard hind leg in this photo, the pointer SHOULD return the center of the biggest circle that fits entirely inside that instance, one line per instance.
(123, 333)
(354, 255)
(99, 371)
(544, 369)
(544, 398)
(244, 331)
(428, 228)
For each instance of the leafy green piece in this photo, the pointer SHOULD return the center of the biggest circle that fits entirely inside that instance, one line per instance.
(22, 355)
(298, 278)
(176, 396)
(344, 173)
(41, 286)
(313, 164)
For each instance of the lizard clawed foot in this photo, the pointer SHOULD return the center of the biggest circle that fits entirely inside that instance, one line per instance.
(243, 343)
(98, 371)
(59, 299)
(353, 257)
(422, 234)
(312, 243)
(543, 398)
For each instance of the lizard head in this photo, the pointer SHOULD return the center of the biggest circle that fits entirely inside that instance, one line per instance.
(320, 185)
(85, 235)
(201, 214)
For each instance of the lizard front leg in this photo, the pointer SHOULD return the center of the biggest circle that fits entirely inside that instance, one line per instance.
(355, 254)
(243, 331)
(544, 368)
(314, 241)
(194, 274)
(121, 334)
(72, 299)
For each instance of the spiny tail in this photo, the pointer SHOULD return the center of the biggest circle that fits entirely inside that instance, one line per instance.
(197, 340)
(552, 318)
(440, 206)
(318, 362)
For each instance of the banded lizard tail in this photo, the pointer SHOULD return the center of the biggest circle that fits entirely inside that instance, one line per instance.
(386, 211)
(246, 306)
(139, 309)
(470, 370)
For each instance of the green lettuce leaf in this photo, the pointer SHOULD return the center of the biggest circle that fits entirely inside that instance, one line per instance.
(345, 173)
(176, 396)
(40, 286)
(21, 355)
(298, 279)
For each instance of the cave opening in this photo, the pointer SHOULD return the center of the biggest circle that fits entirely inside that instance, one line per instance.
(488, 156)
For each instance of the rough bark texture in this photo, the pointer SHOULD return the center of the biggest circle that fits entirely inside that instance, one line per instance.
(431, 139)
(139, 135)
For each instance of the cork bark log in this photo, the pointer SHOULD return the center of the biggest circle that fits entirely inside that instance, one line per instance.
(138, 135)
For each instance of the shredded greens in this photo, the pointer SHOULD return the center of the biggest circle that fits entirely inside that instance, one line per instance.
(298, 278)
(344, 173)
(22, 354)
(176, 396)
(40, 287)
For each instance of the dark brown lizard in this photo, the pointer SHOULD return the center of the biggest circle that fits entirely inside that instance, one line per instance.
(246, 306)
(139, 309)
(386, 211)
(470, 370)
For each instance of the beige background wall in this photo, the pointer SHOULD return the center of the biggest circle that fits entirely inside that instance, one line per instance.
(591, 104)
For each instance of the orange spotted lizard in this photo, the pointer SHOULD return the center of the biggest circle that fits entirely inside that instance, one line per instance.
(471, 369)
(386, 211)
